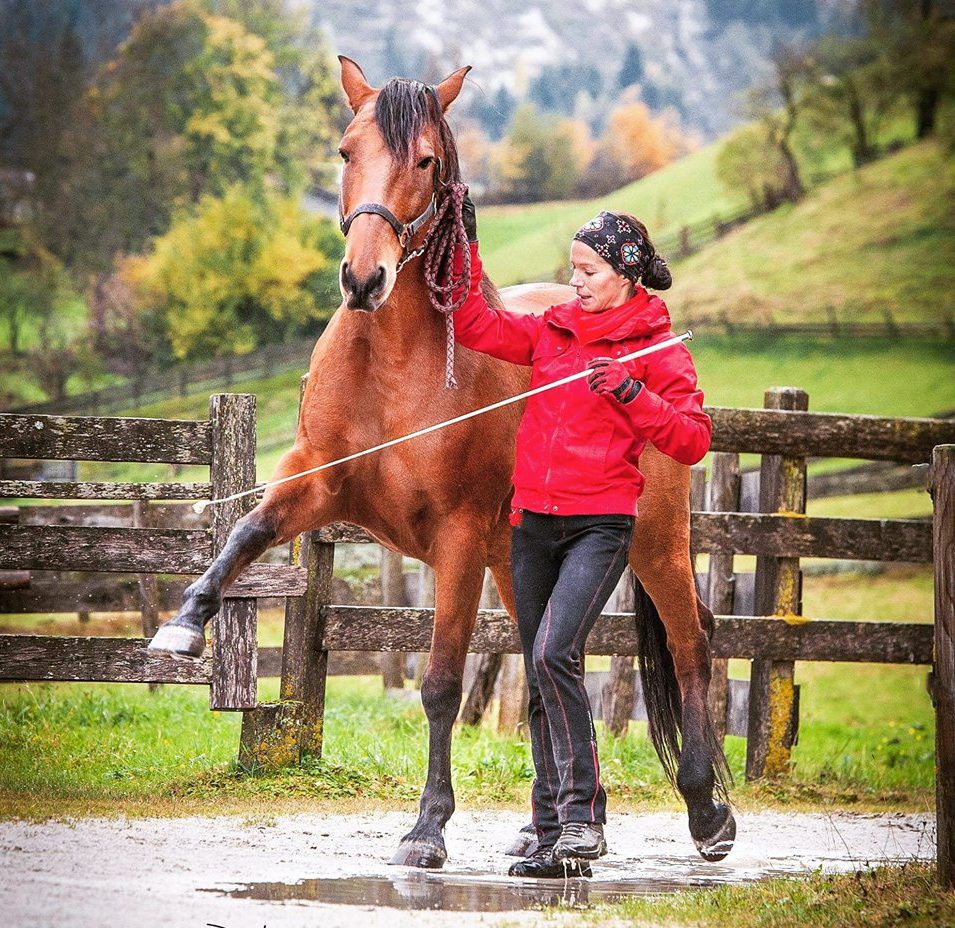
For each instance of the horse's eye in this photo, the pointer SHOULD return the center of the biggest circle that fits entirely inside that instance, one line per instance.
(425, 162)
(344, 155)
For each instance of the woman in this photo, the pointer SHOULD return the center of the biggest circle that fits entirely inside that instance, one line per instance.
(576, 486)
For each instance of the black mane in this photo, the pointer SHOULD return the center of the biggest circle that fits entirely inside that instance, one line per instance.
(403, 110)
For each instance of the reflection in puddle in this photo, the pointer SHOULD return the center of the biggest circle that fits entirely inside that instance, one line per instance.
(473, 893)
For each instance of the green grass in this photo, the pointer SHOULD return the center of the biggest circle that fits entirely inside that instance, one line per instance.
(887, 897)
(865, 742)
(881, 238)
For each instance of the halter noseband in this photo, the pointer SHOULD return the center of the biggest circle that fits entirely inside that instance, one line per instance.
(405, 231)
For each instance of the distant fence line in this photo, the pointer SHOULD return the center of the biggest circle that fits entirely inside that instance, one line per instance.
(164, 383)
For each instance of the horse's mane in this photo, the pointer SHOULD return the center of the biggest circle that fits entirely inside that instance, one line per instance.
(403, 110)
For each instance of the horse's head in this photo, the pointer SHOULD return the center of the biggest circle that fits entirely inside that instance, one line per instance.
(399, 154)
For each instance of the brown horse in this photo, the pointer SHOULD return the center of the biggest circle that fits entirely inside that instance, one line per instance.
(377, 373)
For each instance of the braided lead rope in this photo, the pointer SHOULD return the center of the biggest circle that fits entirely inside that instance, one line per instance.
(444, 238)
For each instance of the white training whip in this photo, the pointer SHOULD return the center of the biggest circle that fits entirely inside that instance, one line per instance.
(669, 343)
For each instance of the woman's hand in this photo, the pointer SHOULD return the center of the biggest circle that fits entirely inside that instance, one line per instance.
(610, 376)
(469, 219)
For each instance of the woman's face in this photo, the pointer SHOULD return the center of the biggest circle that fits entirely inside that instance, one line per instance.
(597, 284)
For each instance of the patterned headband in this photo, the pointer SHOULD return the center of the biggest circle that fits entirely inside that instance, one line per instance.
(618, 243)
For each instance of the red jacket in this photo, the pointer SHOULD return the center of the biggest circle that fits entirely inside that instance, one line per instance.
(578, 451)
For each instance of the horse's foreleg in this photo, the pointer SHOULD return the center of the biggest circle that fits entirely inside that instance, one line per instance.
(458, 580)
(283, 513)
(668, 580)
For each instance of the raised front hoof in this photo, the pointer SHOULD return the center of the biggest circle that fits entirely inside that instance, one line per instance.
(524, 844)
(420, 854)
(715, 847)
(178, 639)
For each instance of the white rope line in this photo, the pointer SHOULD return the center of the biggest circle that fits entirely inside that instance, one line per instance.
(669, 343)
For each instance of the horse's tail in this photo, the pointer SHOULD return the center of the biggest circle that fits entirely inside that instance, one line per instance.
(661, 693)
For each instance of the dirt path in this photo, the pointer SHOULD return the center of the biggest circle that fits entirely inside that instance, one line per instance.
(179, 872)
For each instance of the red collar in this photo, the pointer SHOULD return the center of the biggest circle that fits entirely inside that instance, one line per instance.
(642, 314)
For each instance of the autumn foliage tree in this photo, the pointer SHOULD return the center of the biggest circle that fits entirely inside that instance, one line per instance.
(540, 158)
(235, 271)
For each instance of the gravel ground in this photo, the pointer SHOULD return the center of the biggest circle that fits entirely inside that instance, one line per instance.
(333, 870)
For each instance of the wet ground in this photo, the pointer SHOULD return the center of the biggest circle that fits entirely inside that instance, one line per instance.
(333, 870)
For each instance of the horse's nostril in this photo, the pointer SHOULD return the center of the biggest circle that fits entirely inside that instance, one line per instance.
(378, 281)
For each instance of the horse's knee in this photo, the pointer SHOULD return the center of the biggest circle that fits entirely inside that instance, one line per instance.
(441, 694)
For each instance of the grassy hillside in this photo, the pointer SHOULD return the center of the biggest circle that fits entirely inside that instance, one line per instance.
(875, 239)
(530, 242)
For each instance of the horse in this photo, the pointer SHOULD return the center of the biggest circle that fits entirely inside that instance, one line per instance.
(377, 372)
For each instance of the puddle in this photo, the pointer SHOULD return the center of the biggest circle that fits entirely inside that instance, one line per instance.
(480, 892)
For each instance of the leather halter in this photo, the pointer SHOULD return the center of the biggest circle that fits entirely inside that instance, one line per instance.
(405, 231)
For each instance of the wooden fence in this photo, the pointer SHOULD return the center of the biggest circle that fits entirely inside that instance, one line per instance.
(784, 433)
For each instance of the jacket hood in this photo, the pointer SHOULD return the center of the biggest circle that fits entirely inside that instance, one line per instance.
(643, 314)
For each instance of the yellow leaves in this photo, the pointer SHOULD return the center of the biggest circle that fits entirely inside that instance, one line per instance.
(222, 271)
(641, 142)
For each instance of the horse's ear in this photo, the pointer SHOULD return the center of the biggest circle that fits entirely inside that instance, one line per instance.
(356, 88)
(450, 87)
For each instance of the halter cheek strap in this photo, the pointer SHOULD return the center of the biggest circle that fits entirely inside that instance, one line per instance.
(405, 231)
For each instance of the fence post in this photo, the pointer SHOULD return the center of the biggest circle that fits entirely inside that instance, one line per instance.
(281, 734)
(943, 547)
(233, 629)
(392, 663)
(773, 703)
(617, 697)
(513, 702)
(723, 497)
(426, 593)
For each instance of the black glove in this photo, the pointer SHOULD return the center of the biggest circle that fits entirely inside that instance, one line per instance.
(469, 218)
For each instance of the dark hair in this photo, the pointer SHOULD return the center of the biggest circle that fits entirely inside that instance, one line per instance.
(657, 274)
(403, 110)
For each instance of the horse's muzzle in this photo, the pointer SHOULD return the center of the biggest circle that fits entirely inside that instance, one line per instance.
(365, 294)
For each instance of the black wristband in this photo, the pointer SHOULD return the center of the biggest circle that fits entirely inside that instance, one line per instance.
(633, 387)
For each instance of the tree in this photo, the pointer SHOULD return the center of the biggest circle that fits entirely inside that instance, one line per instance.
(313, 112)
(539, 159)
(640, 142)
(235, 271)
(750, 161)
(917, 43)
(631, 71)
(778, 106)
(555, 89)
(850, 90)
(189, 106)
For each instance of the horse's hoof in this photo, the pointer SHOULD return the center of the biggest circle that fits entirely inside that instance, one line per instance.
(720, 843)
(524, 844)
(178, 639)
(420, 854)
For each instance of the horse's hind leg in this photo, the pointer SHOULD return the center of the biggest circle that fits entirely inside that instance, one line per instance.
(284, 512)
(667, 578)
(459, 573)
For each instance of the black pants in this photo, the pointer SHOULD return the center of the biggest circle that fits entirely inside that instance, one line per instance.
(564, 570)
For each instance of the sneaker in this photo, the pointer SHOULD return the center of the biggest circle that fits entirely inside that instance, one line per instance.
(580, 841)
(541, 865)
